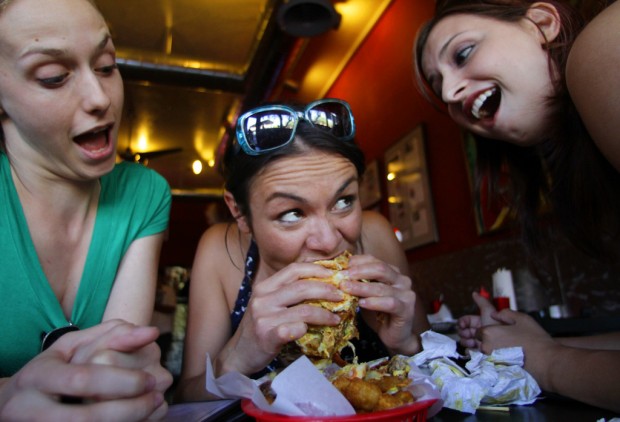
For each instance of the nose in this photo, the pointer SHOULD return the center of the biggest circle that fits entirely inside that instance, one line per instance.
(94, 94)
(452, 89)
(324, 236)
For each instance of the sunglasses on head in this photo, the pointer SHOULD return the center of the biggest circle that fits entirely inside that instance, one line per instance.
(268, 128)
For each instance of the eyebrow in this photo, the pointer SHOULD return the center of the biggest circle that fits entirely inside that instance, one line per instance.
(286, 195)
(431, 78)
(58, 52)
(443, 49)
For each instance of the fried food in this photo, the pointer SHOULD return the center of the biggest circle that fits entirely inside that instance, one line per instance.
(362, 395)
(323, 342)
(374, 389)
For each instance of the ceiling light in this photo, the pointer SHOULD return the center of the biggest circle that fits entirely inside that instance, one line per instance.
(307, 18)
(197, 167)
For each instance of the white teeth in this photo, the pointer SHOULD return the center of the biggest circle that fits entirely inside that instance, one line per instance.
(475, 110)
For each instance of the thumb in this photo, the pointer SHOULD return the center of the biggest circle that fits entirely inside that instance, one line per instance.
(483, 304)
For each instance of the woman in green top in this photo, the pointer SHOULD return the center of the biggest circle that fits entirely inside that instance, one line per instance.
(79, 235)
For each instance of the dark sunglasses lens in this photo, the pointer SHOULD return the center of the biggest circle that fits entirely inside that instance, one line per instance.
(333, 117)
(268, 129)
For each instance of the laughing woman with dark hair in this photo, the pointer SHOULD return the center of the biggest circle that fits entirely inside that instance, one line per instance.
(292, 185)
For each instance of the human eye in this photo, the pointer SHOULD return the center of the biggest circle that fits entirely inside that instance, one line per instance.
(106, 64)
(53, 81)
(345, 203)
(107, 70)
(461, 54)
(290, 216)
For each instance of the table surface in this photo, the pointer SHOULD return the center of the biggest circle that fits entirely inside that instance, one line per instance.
(550, 409)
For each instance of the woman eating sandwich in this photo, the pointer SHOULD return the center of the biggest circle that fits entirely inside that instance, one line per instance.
(292, 185)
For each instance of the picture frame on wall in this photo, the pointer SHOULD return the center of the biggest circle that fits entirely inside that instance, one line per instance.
(409, 193)
(370, 187)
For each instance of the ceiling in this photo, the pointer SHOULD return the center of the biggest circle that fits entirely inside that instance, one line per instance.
(191, 66)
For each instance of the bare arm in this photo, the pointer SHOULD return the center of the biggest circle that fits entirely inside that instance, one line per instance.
(390, 307)
(133, 295)
(383, 244)
(586, 375)
(594, 80)
(607, 341)
(208, 322)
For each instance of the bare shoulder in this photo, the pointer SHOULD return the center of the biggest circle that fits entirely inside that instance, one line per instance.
(373, 221)
(379, 239)
(219, 257)
(593, 80)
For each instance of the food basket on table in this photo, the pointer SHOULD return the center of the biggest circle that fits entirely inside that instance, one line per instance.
(415, 412)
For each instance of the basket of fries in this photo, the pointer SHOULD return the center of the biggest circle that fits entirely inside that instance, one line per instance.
(415, 412)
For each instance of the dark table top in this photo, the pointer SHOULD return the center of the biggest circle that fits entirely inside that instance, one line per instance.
(552, 409)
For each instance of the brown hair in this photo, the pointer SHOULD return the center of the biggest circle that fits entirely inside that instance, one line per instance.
(566, 169)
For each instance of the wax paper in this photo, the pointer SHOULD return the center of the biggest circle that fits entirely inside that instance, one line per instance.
(302, 390)
(496, 379)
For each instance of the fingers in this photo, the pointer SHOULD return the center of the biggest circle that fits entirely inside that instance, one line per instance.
(366, 267)
(506, 317)
(141, 408)
(483, 304)
(469, 321)
(50, 375)
(291, 274)
(470, 343)
(121, 345)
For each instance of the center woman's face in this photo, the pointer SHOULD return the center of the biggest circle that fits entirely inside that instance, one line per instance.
(305, 208)
(493, 75)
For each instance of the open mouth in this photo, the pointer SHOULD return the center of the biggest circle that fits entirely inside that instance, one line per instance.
(486, 104)
(94, 141)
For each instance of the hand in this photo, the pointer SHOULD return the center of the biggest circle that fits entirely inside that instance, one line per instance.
(276, 316)
(517, 329)
(468, 325)
(387, 302)
(126, 346)
(110, 392)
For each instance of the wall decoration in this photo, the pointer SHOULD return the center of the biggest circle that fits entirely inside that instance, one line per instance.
(370, 188)
(409, 194)
(491, 214)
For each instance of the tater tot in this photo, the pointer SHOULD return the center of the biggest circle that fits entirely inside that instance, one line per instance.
(391, 383)
(362, 395)
(341, 383)
(390, 401)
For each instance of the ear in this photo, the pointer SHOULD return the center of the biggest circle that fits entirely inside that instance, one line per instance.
(547, 19)
(241, 219)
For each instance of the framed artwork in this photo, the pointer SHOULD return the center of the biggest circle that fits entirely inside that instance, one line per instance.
(370, 188)
(409, 193)
(491, 213)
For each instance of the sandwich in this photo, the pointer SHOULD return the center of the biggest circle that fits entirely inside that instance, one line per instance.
(324, 342)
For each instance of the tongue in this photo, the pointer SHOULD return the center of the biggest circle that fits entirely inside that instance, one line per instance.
(93, 141)
(490, 106)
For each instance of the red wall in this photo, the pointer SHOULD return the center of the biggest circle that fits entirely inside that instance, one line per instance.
(378, 82)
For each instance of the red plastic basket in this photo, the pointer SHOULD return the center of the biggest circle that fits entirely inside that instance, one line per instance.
(415, 412)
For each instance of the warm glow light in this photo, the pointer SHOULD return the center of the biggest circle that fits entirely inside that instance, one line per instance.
(211, 163)
(391, 176)
(395, 200)
(197, 167)
(143, 138)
